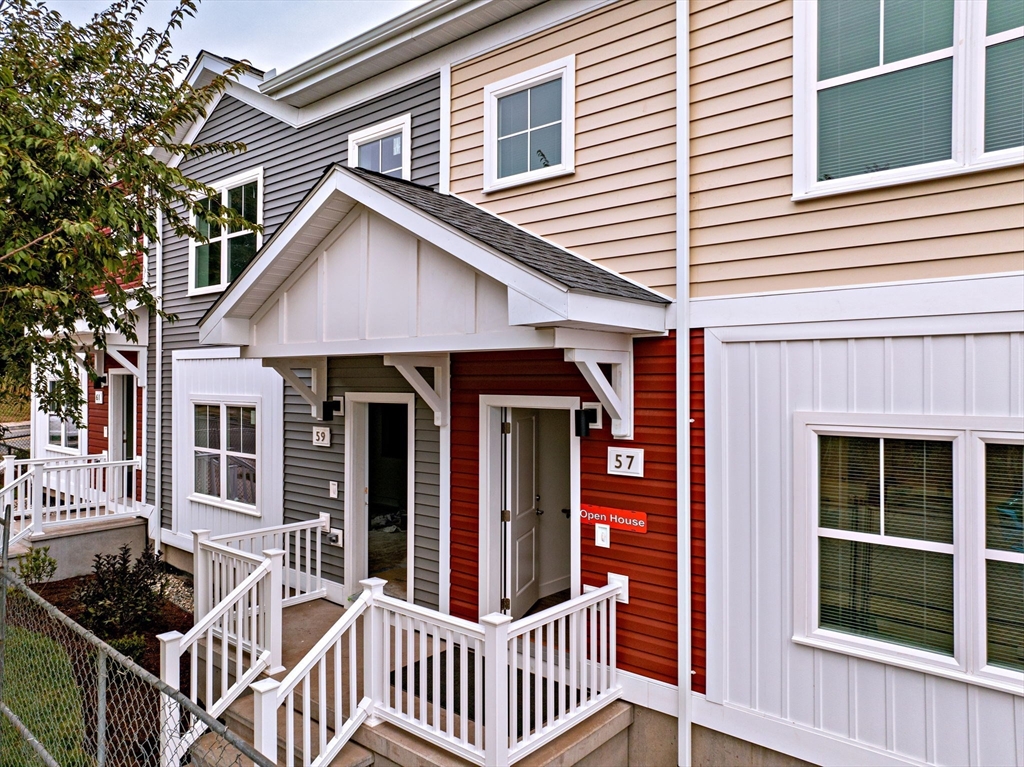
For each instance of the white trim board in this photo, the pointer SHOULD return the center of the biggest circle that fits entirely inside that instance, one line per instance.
(649, 693)
(924, 298)
(815, 746)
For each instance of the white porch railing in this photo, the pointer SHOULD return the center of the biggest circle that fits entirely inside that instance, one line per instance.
(238, 639)
(47, 492)
(491, 693)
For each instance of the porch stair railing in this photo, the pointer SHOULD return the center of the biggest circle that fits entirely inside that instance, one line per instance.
(491, 692)
(44, 493)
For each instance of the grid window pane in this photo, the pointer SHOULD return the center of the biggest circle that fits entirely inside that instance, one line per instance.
(848, 34)
(890, 121)
(202, 225)
(1005, 624)
(1004, 95)
(70, 434)
(242, 199)
(369, 156)
(54, 430)
(887, 593)
(241, 250)
(1002, 15)
(207, 426)
(241, 479)
(913, 27)
(546, 103)
(208, 264)
(848, 483)
(242, 430)
(1004, 497)
(512, 113)
(546, 147)
(391, 155)
(919, 489)
(512, 155)
(207, 473)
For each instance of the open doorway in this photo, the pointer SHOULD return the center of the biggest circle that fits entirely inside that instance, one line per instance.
(122, 436)
(379, 511)
(529, 469)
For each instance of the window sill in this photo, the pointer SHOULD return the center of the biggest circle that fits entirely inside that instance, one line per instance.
(71, 451)
(1004, 159)
(928, 663)
(209, 291)
(241, 508)
(528, 178)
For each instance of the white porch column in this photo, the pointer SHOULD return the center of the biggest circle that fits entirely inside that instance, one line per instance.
(496, 712)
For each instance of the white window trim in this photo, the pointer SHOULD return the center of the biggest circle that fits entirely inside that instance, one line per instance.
(968, 155)
(255, 174)
(968, 664)
(565, 69)
(83, 432)
(379, 131)
(221, 502)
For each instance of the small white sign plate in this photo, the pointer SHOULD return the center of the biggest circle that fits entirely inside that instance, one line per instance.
(627, 461)
(321, 436)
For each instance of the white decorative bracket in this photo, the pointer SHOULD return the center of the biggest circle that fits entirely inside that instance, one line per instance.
(616, 394)
(317, 366)
(116, 355)
(437, 396)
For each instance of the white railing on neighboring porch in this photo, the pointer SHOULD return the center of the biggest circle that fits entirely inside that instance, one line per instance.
(46, 492)
(232, 644)
(491, 693)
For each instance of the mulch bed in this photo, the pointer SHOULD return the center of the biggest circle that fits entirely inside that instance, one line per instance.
(63, 596)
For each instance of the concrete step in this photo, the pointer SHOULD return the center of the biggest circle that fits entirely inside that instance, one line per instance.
(211, 750)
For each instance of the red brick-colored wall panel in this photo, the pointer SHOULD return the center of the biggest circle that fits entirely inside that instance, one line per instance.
(698, 590)
(647, 638)
(98, 416)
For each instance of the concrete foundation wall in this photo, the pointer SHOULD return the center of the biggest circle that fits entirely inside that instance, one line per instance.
(714, 749)
(76, 547)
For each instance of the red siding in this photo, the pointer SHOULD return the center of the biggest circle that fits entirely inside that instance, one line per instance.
(98, 416)
(697, 514)
(647, 642)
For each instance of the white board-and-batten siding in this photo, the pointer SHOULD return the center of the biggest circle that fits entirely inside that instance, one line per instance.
(308, 470)
(227, 380)
(896, 715)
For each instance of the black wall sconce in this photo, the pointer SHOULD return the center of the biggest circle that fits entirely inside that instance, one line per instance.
(583, 420)
(329, 408)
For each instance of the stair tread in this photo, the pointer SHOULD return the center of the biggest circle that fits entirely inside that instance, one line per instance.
(211, 751)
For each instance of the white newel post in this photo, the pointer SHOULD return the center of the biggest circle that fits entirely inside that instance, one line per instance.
(170, 710)
(201, 604)
(496, 713)
(8, 470)
(275, 605)
(373, 648)
(264, 717)
(37, 498)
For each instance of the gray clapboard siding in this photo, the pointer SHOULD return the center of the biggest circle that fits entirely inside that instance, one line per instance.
(293, 159)
(308, 469)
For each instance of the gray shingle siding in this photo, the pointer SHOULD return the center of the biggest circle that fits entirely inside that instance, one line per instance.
(293, 159)
(308, 469)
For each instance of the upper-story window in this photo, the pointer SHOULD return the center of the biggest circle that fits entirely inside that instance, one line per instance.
(384, 148)
(889, 91)
(910, 539)
(529, 125)
(215, 264)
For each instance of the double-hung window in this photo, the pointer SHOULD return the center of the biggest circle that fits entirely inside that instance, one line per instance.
(216, 263)
(888, 91)
(529, 126)
(225, 453)
(910, 541)
(384, 148)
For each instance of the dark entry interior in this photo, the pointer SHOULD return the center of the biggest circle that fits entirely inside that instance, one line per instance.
(387, 495)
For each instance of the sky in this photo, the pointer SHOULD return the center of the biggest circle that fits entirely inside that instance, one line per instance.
(271, 34)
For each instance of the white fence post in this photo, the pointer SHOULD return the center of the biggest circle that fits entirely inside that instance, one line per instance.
(264, 719)
(496, 709)
(275, 608)
(8, 466)
(37, 498)
(201, 602)
(373, 648)
(170, 710)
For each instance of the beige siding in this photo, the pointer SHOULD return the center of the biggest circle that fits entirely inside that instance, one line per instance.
(749, 236)
(618, 208)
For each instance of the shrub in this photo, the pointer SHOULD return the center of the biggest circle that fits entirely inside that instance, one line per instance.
(133, 645)
(124, 596)
(37, 566)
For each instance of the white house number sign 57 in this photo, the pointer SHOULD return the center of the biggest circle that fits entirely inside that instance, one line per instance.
(321, 436)
(627, 461)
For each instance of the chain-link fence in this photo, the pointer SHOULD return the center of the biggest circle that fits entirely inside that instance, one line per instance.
(69, 699)
(15, 428)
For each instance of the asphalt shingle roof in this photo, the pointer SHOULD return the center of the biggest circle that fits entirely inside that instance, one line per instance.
(575, 272)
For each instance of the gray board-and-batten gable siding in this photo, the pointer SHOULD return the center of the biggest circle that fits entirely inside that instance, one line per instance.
(293, 160)
(309, 469)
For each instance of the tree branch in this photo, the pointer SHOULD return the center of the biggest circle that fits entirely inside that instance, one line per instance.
(28, 245)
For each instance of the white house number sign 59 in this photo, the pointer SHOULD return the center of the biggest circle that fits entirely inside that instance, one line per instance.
(627, 461)
(321, 436)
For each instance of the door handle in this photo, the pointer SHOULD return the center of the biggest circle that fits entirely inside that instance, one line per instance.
(539, 512)
(568, 514)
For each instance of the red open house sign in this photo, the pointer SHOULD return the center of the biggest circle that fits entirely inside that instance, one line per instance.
(619, 519)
